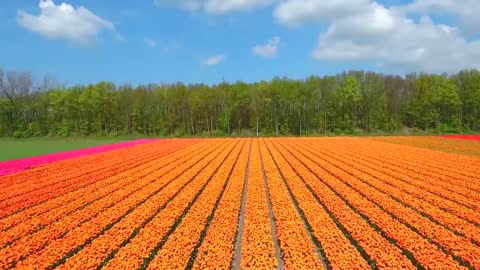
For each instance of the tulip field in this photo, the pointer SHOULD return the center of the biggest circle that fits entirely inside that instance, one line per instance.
(246, 203)
(464, 145)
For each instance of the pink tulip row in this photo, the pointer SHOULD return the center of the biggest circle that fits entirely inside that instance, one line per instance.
(464, 137)
(13, 166)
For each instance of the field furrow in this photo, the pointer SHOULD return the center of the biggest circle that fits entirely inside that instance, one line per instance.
(73, 231)
(465, 251)
(298, 249)
(418, 199)
(77, 166)
(448, 190)
(176, 251)
(426, 253)
(37, 196)
(135, 247)
(444, 167)
(461, 147)
(258, 248)
(456, 162)
(381, 252)
(216, 250)
(93, 196)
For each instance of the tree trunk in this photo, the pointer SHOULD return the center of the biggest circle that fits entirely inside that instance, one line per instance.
(193, 127)
(325, 122)
(208, 126)
(211, 124)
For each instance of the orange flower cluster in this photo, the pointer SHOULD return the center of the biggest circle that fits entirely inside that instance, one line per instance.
(177, 250)
(298, 249)
(357, 191)
(78, 173)
(73, 230)
(437, 175)
(153, 198)
(73, 165)
(289, 203)
(460, 200)
(217, 248)
(425, 202)
(463, 147)
(258, 248)
(383, 253)
(14, 226)
(444, 167)
(172, 206)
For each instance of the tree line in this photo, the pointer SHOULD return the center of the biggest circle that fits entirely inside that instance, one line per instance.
(355, 102)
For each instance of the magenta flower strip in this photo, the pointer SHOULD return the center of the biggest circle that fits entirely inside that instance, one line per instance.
(17, 165)
(463, 137)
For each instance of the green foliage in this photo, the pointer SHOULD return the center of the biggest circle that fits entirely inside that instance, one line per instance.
(436, 103)
(21, 147)
(351, 103)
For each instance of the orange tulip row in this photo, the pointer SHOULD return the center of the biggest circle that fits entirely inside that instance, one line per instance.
(442, 166)
(463, 147)
(425, 253)
(65, 235)
(312, 203)
(110, 226)
(70, 183)
(70, 166)
(419, 183)
(27, 181)
(455, 182)
(381, 252)
(258, 247)
(456, 245)
(141, 246)
(18, 198)
(177, 250)
(447, 148)
(470, 251)
(217, 248)
(60, 202)
(298, 249)
(55, 209)
(423, 202)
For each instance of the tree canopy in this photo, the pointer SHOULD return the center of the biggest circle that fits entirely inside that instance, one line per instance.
(349, 103)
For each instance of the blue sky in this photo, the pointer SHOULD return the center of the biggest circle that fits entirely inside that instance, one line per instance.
(165, 41)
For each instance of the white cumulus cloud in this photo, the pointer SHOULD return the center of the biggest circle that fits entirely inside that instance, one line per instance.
(466, 11)
(214, 60)
(268, 50)
(366, 30)
(215, 6)
(63, 21)
(298, 12)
